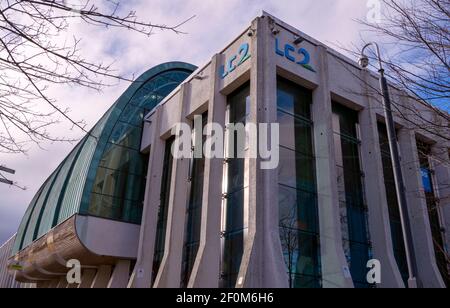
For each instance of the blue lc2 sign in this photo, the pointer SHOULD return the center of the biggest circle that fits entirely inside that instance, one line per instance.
(235, 61)
(300, 56)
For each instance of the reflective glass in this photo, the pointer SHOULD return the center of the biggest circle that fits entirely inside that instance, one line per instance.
(120, 178)
(293, 99)
(232, 250)
(163, 208)
(297, 194)
(442, 260)
(233, 208)
(193, 213)
(393, 206)
(353, 209)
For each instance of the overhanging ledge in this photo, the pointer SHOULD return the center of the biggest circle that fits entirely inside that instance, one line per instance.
(92, 241)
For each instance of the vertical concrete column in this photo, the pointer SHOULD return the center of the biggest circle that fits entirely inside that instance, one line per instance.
(428, 272)
(372, 166)
(441, 166)
(170, 274)
(143, 270)
(206, 270)
(87, 278)
(263, 262)
(102, 277)
(335, 272)
(120, 275)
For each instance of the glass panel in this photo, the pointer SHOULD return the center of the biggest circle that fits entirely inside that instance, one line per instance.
(393, 206)
(298, 209)
(236, 175)
(194, 215)
(163, 208)
(118, 157)
(300, 252)
(433, 210)
(189, 255)
(234, 228)
(115, 208)
(295, 170)
(297, 188)
(295, 134)
(294, 99)
(127, 135)
(353, 210)
(348, 119)
(233, 249)
(122, 168)
(357, 260)
(305, 282)
(235, 211)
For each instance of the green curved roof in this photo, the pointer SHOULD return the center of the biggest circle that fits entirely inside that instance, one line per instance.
(104, 175)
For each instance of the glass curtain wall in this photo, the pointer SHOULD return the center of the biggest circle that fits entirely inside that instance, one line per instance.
(119, 184)
(393, 206)
(433, 210)
(299, 227)
(194, 210)
(161, 226)
(353, 209)
(234, 223)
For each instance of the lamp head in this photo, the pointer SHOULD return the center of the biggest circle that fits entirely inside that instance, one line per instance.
(363, 61)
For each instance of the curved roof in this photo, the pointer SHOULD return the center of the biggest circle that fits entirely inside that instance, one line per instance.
(104, 175)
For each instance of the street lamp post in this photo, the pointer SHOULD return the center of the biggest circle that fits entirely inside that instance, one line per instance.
(398, 177)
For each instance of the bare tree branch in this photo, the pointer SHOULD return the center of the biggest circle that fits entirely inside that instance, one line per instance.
(33, 57)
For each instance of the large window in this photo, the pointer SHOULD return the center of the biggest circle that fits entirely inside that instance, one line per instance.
(353, 209)
(161, 226)
(234, 224)
(194, 212)
(393, 206)
(433, 210)
(118, 183)
(299, 227)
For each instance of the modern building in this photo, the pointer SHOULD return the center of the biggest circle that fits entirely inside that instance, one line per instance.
(7, 279)
(136, 216)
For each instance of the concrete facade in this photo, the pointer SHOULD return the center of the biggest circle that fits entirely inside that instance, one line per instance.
(7, 280)
(335, 78)
(330, 77)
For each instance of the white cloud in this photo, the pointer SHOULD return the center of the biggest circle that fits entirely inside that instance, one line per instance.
(216, 24)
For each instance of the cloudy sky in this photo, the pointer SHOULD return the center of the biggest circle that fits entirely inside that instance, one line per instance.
(217, 22)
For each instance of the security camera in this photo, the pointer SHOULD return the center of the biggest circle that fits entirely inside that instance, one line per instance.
(364, 62)
(298, 39)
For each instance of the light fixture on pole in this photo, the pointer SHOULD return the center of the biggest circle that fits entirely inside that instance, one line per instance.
(2, 178)
(398, 177)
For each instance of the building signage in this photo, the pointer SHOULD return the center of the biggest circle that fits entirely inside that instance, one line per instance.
(235, 61)
(300, 56)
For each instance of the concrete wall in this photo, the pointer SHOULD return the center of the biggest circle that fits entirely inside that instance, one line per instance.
(334, 77)
(6, 278)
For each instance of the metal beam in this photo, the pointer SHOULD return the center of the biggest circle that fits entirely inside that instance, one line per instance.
(7, 170)
(6, 181)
